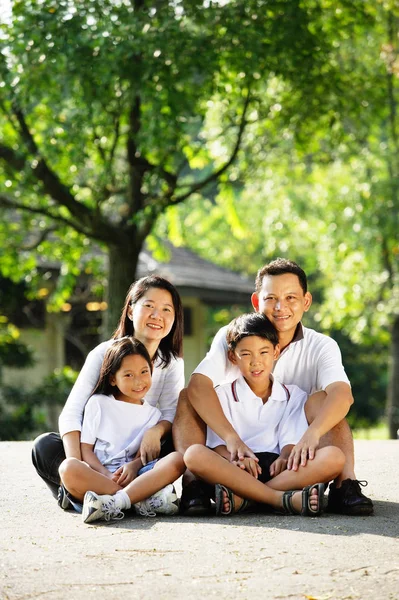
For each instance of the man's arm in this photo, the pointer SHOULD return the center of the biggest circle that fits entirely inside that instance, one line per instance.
(323, 411)
(205, 402)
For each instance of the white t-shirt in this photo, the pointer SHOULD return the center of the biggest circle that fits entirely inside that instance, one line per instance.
(312, 361)
(164, 392)
(116, 428)
(265, 427)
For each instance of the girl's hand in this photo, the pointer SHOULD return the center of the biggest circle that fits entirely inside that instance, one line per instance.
(125, 474)
(278, 466)
(150, 447)
(250, 465)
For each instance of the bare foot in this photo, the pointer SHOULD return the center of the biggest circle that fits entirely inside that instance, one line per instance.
(237, 500)
(313, 500)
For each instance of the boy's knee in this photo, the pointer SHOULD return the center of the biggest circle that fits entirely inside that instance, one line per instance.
(194, 456)
(335, 459)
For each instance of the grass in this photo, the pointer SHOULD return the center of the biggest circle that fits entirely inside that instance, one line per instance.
(378, 432)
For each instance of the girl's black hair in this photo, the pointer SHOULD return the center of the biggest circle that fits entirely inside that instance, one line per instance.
(113, 359)
(171, 346)
(248, 325)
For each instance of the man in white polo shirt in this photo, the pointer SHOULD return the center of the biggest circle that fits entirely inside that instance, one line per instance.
(308, 359)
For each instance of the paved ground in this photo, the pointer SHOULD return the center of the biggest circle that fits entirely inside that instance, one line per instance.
(51, 554)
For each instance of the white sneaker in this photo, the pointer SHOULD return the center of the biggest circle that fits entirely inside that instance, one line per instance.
(164, 502)
(100, 508)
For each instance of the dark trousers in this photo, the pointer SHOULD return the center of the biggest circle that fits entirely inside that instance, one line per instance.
(48, 453)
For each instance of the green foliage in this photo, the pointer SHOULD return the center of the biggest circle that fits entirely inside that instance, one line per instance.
(13, 353)
(23, 412)
(110, 112)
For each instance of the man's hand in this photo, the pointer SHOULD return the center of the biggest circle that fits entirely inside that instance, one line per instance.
(278, 466)
(150, 446)
(304, 450)
(238, 450)
(249, 465)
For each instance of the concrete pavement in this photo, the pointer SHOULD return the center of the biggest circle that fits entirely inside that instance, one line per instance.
(47, 553)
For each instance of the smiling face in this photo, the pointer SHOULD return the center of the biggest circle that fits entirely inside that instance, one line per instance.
(255, 356)
(153, 316)
(282, 299)
(133, 379)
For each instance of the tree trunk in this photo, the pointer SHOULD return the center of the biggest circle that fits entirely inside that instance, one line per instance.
(393, 384)
(122, 266)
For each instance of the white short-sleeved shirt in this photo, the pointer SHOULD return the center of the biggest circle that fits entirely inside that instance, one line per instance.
(265, 427)
(164, 392)
(116, 428)
(312, 361)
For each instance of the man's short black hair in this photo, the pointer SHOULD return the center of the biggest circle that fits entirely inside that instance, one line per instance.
(281, 266)
(249, 325)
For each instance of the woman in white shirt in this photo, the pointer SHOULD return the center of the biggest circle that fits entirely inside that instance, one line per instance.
(153, 314)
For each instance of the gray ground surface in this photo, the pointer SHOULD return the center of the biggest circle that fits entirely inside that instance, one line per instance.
(48, 553)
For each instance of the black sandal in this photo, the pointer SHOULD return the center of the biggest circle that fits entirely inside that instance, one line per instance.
(307, 510)
(219, 489)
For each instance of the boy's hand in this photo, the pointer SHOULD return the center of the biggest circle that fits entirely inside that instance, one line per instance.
(238, 450)
(278, 466)
(150, 447)
(126, 473)
(304, 450)
(249, 465)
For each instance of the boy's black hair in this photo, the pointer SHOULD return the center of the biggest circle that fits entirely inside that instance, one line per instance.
(250, 324)
(281, 266)
(112, 361)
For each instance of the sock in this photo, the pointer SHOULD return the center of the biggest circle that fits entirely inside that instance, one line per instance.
(122, 500)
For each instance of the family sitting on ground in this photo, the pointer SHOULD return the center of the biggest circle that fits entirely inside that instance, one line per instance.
(260, 426)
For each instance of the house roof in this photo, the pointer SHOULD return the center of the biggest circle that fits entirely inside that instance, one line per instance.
(194, 275)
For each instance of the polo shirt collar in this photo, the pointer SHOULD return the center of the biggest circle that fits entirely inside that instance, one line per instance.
(298, 335)
(245, 394)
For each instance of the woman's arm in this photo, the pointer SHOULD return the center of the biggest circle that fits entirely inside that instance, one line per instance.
(71, 417)
(71, 441)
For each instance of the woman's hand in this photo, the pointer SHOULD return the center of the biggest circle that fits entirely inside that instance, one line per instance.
(150, 447)
(278, 466)
(125, 474)
(250, 465)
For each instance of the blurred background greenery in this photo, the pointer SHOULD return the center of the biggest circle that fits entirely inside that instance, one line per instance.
(244, 130)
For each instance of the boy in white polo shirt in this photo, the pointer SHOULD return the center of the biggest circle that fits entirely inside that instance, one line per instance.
(308, 359)
(270, 419)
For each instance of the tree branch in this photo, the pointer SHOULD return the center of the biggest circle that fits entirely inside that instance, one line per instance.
(216, 174)
(7, 202)
(51, 182)
(43, 236)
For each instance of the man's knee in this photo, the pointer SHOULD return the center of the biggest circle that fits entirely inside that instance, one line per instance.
(188, 427)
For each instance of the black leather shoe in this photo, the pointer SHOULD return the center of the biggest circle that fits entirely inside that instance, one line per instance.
(349, 499)
(196, 499)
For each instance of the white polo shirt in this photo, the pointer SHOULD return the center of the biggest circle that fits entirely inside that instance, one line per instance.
(116, 428)
(265, 427)
(312, 361)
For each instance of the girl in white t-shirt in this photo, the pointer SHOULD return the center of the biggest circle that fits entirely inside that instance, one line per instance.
(115, 420)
